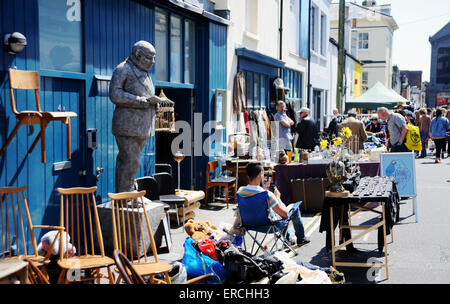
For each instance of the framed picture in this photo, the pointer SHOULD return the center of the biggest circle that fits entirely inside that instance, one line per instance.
(400, 166)
(220, 105)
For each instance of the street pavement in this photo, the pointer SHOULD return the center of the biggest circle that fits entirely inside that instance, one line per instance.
(419, 252)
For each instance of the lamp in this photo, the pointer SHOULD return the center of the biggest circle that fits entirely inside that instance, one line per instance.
(15, 42)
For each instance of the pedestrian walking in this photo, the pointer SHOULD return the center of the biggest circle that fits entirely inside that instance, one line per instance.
(439, 127)
(424, 128)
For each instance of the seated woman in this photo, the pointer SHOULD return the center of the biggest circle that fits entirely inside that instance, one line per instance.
(377, 129)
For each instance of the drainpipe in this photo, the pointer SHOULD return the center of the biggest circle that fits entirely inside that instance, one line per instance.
(309, 58)
(281, 31)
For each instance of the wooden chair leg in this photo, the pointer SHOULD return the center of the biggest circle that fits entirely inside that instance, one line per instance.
(168, 281)
(228, 194)
(110, 275)
(62, 276)
(119, 278)
(10, 137)
(44, 124)
(206, 195)
(69, 155)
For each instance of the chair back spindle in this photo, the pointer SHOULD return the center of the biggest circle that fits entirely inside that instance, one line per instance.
(131, 226)
(78, 214)
(16, 225)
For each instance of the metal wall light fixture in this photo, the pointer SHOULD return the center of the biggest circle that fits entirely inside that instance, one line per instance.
(15, 42)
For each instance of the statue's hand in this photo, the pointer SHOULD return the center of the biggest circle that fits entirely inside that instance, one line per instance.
(143, 101)
(155, 100)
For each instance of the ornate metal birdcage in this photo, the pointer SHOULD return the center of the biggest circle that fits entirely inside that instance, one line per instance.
(165, 114)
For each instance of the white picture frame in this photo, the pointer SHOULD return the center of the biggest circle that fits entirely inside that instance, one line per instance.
(402, 168)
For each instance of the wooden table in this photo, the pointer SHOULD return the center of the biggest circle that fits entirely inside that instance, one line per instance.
(183, 203)
(13, 272)
(389, 213)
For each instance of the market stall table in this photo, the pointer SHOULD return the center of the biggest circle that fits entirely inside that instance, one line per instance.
(371, 189)
(285, 173)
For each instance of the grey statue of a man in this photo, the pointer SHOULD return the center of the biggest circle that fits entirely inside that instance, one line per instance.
(131, 90)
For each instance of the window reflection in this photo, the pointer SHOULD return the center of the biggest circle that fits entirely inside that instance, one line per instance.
(161, 45)
(60, 36)
(176, 62)
(189, 52)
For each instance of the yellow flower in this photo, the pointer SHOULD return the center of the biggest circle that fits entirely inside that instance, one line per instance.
(347, 132)
(337, 141)
(324, 144)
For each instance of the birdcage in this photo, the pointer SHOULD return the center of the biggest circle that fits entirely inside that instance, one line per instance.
(165, 114)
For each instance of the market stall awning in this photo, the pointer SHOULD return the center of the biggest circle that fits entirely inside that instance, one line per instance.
(376, 96)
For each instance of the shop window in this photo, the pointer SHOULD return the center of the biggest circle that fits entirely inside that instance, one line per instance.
(293, 80)
(161, 30)
(60, 35)
(189, 51)
(176, 59)
(175, 48)
(249, 89)
(256, 90)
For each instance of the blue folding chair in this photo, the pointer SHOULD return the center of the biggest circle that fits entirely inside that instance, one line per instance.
(255, 217)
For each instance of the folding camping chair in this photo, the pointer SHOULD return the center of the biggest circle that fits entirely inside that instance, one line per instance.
(254, 212)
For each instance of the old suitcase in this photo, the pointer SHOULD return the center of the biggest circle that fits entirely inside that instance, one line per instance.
(311, 191)
(298, 193)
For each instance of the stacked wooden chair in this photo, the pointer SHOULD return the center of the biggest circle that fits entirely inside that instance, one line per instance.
(80, 218)
(17, 227)
(133, 236)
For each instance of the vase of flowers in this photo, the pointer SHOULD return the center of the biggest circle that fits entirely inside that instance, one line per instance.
(341, 166)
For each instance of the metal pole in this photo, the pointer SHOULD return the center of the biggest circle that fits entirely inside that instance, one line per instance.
(341, 50)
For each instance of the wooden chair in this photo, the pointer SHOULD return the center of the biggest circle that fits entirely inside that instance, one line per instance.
(84, 229)
(131, 276)
(126, 270)
(129, 231)
(35, 276)
(29, 80)
(17, 225)
(226, 182)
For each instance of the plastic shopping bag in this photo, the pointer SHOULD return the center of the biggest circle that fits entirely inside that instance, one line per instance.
(413, 141)
(198, 264)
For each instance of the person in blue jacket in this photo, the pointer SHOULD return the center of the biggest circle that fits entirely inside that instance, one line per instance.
(438, 129)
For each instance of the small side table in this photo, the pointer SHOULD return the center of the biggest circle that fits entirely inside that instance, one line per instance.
(13, 272)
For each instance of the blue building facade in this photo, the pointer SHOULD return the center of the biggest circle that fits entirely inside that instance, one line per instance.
(75, 46)
(439, 87)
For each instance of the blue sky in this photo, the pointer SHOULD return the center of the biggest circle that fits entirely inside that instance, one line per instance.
(417, 20)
